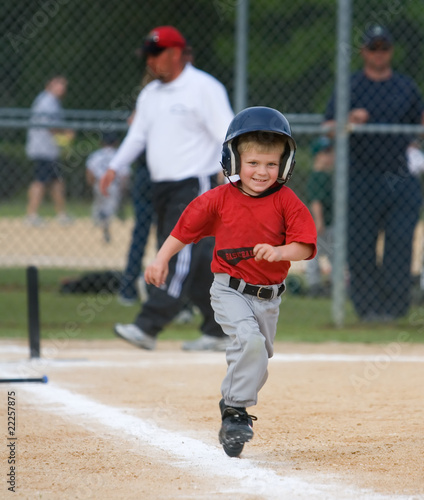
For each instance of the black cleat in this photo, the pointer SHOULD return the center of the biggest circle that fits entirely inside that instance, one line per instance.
(236, 429)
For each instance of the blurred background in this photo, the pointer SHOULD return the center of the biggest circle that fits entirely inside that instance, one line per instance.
(276, 53)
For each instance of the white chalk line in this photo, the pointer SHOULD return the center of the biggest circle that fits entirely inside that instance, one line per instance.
(48, 358)
(201, 459)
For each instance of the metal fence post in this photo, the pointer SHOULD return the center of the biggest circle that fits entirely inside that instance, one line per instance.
(342, 159)
(240, 70)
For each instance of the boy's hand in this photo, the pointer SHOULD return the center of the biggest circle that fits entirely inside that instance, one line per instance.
(294, 251)
(156, 273)
(267, 252)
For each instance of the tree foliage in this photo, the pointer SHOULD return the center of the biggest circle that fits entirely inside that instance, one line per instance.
(291, 49)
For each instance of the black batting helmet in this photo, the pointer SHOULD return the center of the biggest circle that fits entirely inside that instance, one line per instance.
(258, 119)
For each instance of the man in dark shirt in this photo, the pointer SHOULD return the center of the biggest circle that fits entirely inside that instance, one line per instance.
(383, 195)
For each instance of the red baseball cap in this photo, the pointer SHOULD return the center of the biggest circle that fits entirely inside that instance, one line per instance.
(161, 38)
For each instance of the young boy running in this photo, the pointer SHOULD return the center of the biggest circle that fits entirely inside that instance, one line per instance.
(259, 226)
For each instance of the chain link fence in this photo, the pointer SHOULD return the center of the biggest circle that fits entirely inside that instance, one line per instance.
(289, 63)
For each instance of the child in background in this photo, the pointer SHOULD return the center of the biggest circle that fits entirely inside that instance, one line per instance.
(259, 226)
(105, 207)
(320, 196)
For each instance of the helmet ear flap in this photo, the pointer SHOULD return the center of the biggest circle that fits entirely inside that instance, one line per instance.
(230, 158)
(287, 162)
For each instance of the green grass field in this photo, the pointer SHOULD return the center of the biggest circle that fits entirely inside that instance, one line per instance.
(83, 316)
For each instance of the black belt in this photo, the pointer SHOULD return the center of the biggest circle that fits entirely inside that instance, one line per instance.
(261, 292)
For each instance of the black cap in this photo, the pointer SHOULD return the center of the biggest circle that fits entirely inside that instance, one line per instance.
(161, 38)
(110, 138)
(376, 33)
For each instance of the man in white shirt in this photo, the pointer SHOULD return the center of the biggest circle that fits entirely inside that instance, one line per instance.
(181, 119)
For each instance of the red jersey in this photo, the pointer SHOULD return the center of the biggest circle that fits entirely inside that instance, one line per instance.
(239, 222)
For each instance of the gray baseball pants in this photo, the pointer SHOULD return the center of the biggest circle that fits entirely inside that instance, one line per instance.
(251, 323)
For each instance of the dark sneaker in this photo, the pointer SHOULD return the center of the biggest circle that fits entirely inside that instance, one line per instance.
(236, 429)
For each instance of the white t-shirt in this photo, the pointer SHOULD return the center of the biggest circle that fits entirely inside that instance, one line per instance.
(41, 143)
(182, 124)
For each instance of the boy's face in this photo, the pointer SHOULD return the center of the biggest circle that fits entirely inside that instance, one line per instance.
(258, 171)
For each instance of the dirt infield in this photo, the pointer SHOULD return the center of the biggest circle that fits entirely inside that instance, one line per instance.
(335, 421)
(79, 245)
